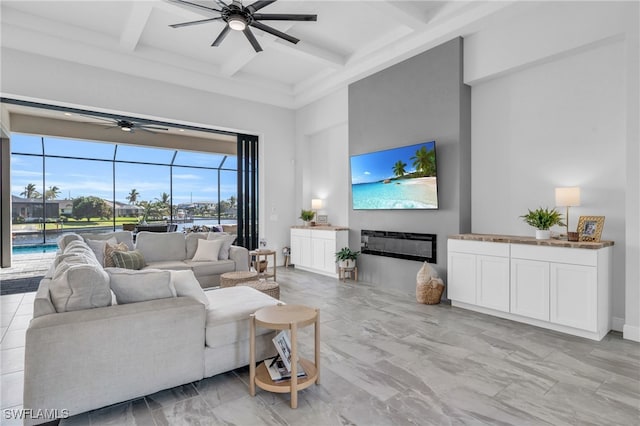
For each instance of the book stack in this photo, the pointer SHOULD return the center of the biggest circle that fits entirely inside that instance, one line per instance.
(279, 367)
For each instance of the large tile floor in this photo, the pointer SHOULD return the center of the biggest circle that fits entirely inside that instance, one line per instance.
(387, 360)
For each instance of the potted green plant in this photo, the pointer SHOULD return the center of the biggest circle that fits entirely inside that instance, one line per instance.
(542, 220)
(307, 215)
(346, 258)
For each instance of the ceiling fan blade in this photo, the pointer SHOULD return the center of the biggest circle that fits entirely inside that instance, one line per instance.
(202, 21)
(254, 7)
(196, 5)
(252, 39)
(222, 4)
(273, 31)
(283, 17)
(221, 36)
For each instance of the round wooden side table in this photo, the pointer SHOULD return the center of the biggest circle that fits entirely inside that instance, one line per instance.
(285, 317)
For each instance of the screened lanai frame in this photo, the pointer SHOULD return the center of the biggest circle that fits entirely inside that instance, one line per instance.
(174, 157)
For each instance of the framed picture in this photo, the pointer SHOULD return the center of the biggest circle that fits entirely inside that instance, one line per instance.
(322, 219)
(590, 228)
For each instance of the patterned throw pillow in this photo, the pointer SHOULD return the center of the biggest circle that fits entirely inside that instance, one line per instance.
(109, 249)
(128, 259)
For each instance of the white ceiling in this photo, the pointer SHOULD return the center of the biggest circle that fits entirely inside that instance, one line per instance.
(350, 40)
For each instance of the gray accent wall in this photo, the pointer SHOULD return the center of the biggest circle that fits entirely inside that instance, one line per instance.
(418, 100)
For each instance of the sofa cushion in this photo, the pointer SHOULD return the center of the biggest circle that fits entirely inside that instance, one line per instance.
(207, 251)
(98, 247)
(187, 285)
(108, 251)
(120, 236)
(138, 286)
(226, 239)
(128, 259)
(158, 247)
(174, 265)
(192, 242)
(77, 286)
(65, 239)
(228, 314)
(211, 268)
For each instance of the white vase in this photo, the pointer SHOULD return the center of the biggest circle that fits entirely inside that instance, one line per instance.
(543, 234)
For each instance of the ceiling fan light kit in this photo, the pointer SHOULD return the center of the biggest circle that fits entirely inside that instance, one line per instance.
(240, 18)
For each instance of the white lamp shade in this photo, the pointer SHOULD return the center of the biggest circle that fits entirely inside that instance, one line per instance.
(316, 204)
(568, 197)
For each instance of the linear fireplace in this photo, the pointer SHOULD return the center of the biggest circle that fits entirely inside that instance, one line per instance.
(402, 245)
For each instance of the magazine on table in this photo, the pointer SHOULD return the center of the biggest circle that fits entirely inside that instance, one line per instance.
(283, 346)
(279, 372)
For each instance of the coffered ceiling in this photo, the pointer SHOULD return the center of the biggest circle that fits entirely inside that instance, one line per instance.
(350, 40)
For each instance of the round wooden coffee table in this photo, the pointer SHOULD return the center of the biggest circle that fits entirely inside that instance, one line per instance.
(230, 279)
(285, 317)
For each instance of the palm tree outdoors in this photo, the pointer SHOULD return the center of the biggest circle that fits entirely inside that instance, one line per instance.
(52, 193)
(399, 168)
(133, 196)
(30, 191)
(425, 161)
(164, 198)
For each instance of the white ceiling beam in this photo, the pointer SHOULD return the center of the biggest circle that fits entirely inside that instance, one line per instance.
(136, 22)
(313, 52)
(400, 14)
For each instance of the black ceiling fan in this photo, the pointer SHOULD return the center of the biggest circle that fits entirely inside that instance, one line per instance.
(240, 18)
(127, 125)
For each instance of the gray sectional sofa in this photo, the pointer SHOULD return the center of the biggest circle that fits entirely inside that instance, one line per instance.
(105, 335)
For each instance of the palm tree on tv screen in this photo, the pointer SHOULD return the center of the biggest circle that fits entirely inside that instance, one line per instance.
(425, 161)
(399, 168)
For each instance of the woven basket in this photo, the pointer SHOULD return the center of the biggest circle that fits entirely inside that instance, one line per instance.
(431, 292)
(270, 288)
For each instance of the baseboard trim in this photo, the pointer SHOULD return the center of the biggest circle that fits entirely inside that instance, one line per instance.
(617, 324)
(631, 332)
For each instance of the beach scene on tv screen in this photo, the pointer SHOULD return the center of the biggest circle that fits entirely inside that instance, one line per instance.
(398, 178)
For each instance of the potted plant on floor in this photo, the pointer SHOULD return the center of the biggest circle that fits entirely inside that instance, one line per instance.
(542, 220)
(346, 258)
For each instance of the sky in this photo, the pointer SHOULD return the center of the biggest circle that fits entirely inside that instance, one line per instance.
(376, 166)
(77, 178)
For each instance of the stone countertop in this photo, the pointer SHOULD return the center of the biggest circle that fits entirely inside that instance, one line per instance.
(515, 239)
(322, 227)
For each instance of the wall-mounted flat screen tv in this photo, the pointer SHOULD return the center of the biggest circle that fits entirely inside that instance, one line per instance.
(398, 178)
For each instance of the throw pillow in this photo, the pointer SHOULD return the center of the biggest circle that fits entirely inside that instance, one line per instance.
(108, 251)
(98, 247)
(140, 286)
(65, 239)
(128, 259)
(208, 250)
(187, 285)
(80, 286)
(227, 241)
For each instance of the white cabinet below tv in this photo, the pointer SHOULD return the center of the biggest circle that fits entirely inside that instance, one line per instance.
(313, 248)
(554, 284)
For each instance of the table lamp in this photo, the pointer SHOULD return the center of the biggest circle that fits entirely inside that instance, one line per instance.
(316, 204)
(568, 197)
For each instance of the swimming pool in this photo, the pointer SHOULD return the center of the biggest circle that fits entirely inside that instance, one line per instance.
(34, 249)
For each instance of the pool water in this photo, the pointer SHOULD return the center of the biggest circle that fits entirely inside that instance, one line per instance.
(34, 249)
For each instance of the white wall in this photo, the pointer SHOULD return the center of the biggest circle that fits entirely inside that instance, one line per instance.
(50, 80)
(552, 108)
(322, 157)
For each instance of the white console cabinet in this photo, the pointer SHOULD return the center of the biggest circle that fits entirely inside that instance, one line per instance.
(561, 286)
(313, 249)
